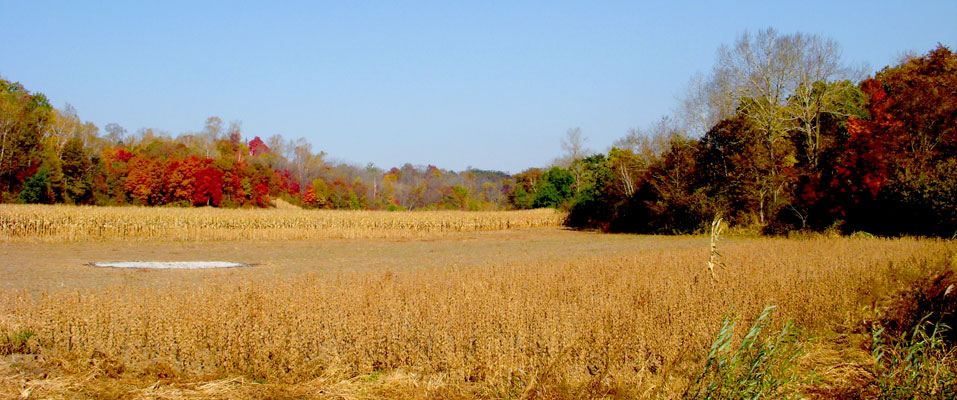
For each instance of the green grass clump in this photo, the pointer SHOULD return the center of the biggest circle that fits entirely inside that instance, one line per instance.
(920, 364)
(16, 342)
(759, 367)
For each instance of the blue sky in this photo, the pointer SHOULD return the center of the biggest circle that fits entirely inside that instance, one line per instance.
(492, 85)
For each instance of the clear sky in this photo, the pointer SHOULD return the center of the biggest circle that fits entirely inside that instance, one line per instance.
(487, 84)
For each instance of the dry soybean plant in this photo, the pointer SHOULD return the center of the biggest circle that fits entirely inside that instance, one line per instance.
(632, 325)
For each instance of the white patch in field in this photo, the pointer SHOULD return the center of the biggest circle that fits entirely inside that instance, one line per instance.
(168, 264)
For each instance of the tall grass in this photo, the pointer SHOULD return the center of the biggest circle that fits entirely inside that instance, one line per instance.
(760, 366)
(920, 364)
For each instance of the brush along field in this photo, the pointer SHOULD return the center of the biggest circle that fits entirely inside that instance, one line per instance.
(450, 308)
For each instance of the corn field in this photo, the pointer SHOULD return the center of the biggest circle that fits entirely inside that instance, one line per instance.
(71, 223)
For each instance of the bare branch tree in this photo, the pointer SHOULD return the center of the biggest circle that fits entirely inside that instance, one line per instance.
(574, 146)
(115, 133)
(780, 84)
(62, 127)
(306, 163)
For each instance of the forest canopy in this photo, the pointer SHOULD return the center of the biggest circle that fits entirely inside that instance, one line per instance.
(788, 150)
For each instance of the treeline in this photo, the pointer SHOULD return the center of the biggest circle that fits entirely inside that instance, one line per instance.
(793, 147)
(780, 136)
(48, 156)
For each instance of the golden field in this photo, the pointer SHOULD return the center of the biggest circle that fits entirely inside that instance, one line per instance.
(72, 223)
(530, 311)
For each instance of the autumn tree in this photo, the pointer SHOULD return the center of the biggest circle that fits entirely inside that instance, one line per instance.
(902, 157)
(780, 84)
(257, 147)
(209, 187)
(231, 146)
(676, 204)
(144, 181)
(921, 94)
(318, 194)
(456, 198)
(23, 120)
(180, 178)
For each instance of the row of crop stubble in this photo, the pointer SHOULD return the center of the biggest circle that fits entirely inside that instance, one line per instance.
(635, 325)
(71, 223)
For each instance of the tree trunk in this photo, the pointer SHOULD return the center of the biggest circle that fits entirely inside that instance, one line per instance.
(3, 148)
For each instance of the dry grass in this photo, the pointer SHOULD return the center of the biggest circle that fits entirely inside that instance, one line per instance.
(71, 223)
(623, 325)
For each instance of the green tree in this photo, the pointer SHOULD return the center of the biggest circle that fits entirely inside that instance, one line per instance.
(37, 189)
(77, 178)
(597, 203)
(556, 188)
(520, 198)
